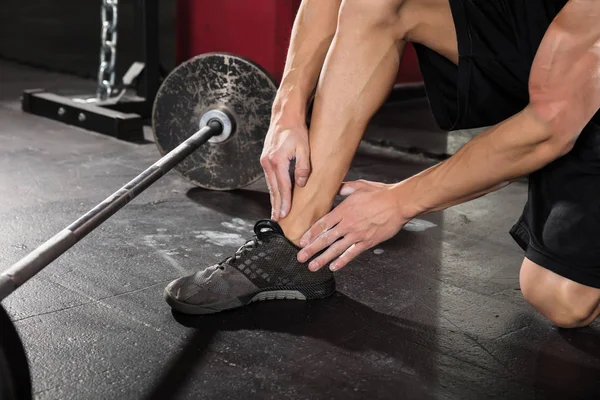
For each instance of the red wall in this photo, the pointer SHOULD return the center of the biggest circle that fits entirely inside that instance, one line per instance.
(256, 29)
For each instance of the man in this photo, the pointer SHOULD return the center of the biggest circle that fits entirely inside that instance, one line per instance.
(528, 69)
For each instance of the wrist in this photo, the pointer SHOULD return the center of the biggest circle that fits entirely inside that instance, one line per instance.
(406, 202)
(288, 118)
(290, 106)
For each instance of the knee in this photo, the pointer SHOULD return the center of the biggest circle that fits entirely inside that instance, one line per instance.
(569, 319)
(557, 305)
(369, 13)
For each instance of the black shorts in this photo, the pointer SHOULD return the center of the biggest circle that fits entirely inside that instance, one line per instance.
(497, 42)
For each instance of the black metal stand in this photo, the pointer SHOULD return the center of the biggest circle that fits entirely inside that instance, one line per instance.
(123, 119)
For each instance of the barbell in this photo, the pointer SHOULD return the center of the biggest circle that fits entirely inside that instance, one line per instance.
(225, 102)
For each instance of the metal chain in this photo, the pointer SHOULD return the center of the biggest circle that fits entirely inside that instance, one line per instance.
(108, 49)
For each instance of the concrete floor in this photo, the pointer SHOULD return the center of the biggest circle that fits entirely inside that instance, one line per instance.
(435, 313)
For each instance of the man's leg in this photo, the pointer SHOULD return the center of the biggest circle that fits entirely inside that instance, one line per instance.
(357, 76)
(565, 303)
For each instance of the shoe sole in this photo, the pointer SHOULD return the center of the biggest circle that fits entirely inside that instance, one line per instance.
(306, 292)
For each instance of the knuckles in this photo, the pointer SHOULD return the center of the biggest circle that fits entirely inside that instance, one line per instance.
(270, 159)
(264, 161)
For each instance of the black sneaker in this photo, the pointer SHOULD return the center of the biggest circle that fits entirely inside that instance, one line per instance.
(265, 268)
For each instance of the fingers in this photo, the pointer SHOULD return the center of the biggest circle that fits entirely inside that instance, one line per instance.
(284, 186)
(335, 250)
(287, 173)
(322, 225)
(302, 170)
(323, 241)
(271, 179)
(339, 254)
(339, 240)
(350, 254)
(278, 179)
(273, 195)
(361, 185)
(347, 189)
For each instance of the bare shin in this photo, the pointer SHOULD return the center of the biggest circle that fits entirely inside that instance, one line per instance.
(357, 76)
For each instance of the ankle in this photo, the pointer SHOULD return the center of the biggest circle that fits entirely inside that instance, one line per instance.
(305, 212)
(292, 231)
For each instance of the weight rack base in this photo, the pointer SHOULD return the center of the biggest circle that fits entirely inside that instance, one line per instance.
(120, 125)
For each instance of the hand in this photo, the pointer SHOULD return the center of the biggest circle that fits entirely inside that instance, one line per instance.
(368, 216)
(282, 145)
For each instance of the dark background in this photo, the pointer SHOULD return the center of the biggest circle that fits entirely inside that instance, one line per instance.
(64, 35)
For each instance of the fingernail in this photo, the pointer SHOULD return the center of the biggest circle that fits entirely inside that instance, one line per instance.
(302, 257)
(333, 267)
(303, 243)
(301, 182)
(283, 211)
(313, 266)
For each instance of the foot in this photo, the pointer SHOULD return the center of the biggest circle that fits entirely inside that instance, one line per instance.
(265, 268)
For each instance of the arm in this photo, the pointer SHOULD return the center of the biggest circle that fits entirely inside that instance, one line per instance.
(287, 139)
(313, 31)
(564, 95)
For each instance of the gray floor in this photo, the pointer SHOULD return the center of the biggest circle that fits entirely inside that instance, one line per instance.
(435, 312)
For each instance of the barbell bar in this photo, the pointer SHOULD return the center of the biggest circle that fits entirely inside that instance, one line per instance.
(226, 100)
(26, 268)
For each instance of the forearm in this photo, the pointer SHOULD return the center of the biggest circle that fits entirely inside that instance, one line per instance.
(564, 92)
(511, 149)
(313, 31)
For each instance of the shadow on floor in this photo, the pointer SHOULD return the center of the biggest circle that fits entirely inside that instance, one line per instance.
(586, 340)
(246, 204)
(354, 327)
(338, 320)
(568, 365)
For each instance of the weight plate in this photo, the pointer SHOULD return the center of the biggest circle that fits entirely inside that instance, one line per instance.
(15, 381)
(224, 82)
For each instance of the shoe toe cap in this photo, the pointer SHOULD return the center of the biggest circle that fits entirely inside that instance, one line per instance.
(173, 289)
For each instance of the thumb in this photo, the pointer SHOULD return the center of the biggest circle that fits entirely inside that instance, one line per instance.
(348, 188)
(302, 169)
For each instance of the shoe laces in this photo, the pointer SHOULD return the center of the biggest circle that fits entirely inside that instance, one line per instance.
(263, 231)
